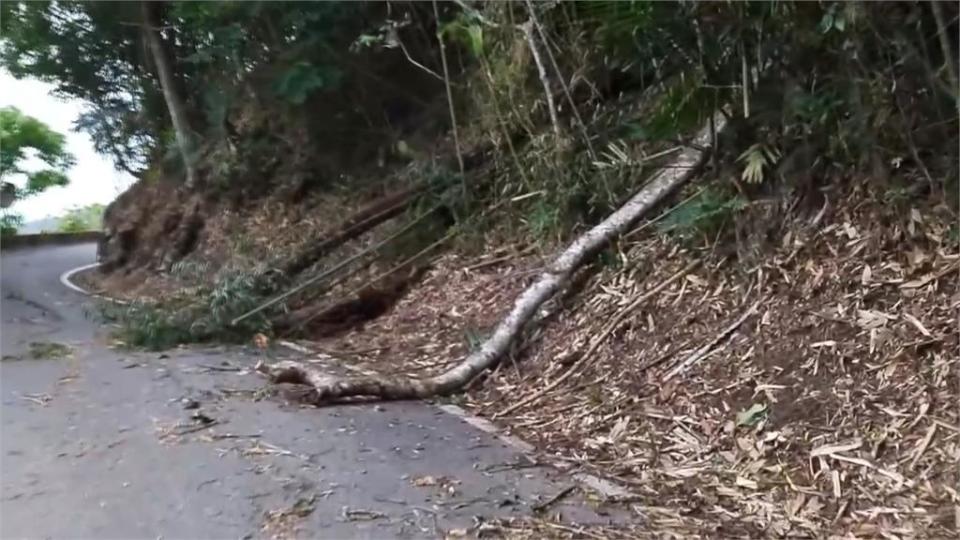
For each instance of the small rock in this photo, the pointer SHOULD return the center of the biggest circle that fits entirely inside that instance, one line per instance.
(202, 418)
(189, 404)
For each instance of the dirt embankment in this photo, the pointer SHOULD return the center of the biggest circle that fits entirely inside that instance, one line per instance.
(831, 410)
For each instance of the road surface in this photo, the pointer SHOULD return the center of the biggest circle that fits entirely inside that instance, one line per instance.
(106, 443)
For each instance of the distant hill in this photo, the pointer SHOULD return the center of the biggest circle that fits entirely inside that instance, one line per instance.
(47, 224)
(82, 218)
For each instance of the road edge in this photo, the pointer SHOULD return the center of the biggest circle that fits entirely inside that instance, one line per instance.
(66, 282)
(603, 486)
(607, 488)
(20, 241)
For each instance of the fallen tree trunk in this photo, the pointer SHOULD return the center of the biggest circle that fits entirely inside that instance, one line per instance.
(362, 221)
(372, 215)
(328, 388)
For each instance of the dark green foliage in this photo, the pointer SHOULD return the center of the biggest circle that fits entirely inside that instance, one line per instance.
(302, 79)
(90, 51)
(10, 223)
(23, 137)
(314, 91)
(227, 57)
(704, 214)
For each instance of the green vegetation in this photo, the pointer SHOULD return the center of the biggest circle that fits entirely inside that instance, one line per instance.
(45, 350)
(85, 218)
(195, 314)
(232, 66)
(533, 119)
(23, 137)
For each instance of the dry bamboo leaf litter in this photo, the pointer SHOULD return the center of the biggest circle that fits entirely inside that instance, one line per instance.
(848, 375)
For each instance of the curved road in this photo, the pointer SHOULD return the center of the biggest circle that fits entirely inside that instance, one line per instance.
(106, 443)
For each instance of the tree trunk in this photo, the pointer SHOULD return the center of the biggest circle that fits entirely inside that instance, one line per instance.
(169, 85)
(366, 218)
(527, 28)
(329, 388)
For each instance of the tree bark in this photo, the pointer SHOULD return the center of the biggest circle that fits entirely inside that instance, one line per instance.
(169, 85)
(330, 388)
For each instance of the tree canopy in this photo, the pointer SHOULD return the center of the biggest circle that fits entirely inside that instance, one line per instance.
(24, 137)
(336, 77)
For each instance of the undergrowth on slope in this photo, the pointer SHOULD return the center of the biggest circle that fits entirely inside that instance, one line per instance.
(816, 94)
(198, 314)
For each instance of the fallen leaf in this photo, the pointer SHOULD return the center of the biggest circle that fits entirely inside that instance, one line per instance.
(869, 319)
(916, 323)
(619, 429)
(834, 448)
(422, 481)
(746, 482)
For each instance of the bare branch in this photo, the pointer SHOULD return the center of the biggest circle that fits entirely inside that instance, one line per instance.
(527, 29)
(446, 82)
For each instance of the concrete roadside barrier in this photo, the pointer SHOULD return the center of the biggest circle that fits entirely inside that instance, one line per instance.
(48, 239)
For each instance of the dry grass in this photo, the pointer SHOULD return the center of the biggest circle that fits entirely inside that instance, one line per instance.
(833, 411)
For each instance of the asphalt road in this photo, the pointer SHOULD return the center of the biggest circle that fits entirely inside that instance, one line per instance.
(103, 443)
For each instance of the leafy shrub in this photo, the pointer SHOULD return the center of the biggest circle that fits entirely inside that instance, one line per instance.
(87, 218)
(704, 214)
(303, 78)
(10, 223)
(201, 314)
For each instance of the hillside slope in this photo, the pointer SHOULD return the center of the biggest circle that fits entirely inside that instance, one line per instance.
(771, 350)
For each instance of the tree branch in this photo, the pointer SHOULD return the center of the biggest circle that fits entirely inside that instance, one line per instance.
(556, 276)
(527, 29)
(446, 83)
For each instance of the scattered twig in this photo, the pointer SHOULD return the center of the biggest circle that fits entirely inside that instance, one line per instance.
(218, 436)
(361, 514)
(497, 260)
(414, 62)
(194, 429)
(553, 500)
(403, 230)
(220, 368)
(511, 467)
(830, 318)
(587, 356)
(341, 352)
(39, 399)
(922, 447)
(700, 353)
